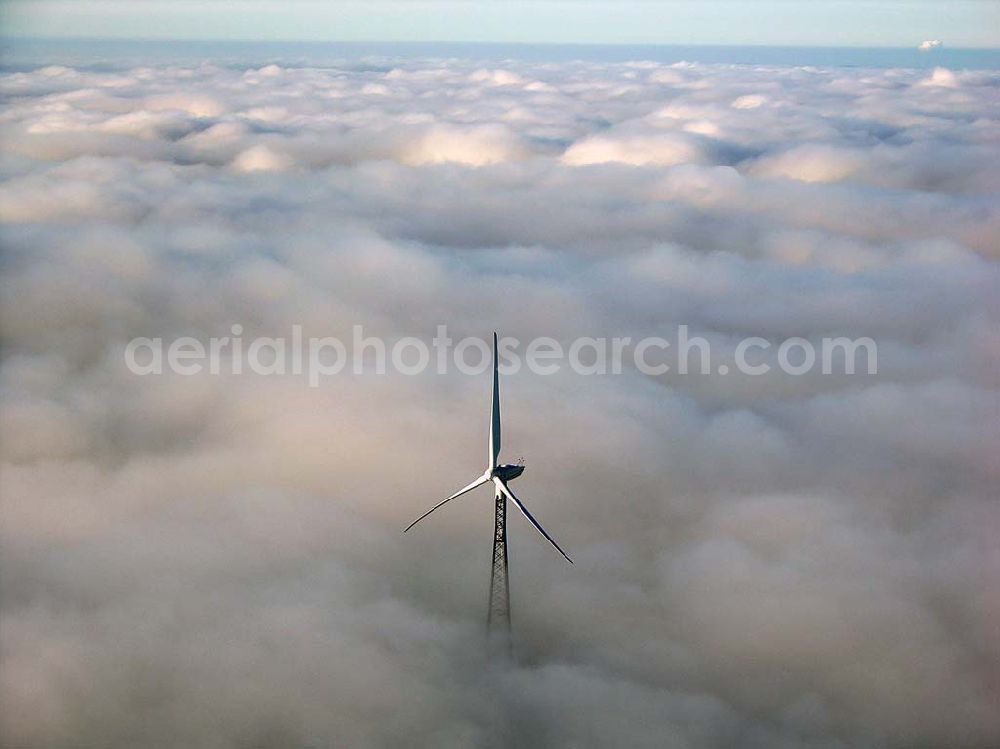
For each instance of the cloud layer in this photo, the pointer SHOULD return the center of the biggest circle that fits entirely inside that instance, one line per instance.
(774, 561)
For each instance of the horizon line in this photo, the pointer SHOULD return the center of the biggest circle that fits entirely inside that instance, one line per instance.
(467, 42)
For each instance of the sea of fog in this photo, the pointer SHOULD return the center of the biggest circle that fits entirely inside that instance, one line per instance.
(781, 561)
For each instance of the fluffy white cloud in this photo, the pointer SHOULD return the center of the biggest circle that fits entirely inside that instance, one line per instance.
(775, 561)
(661, 148)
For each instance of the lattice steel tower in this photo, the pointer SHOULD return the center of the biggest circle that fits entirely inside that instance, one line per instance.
(498, 630)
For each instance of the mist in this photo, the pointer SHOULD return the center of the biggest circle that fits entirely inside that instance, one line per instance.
(775, 561)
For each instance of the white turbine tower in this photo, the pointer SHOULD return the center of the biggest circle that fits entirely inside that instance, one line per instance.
(498, 617)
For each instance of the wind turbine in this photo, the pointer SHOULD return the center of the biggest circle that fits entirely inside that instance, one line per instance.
(499, 475)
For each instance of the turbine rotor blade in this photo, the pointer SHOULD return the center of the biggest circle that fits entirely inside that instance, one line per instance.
(495, 414)
(478, 482)
(524, 511)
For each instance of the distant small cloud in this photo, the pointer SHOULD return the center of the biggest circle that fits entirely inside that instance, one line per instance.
(929, 44)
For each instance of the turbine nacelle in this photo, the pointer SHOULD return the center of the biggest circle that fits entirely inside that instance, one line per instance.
(508, 472)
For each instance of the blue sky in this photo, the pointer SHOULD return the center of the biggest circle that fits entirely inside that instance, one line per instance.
(959, 23)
